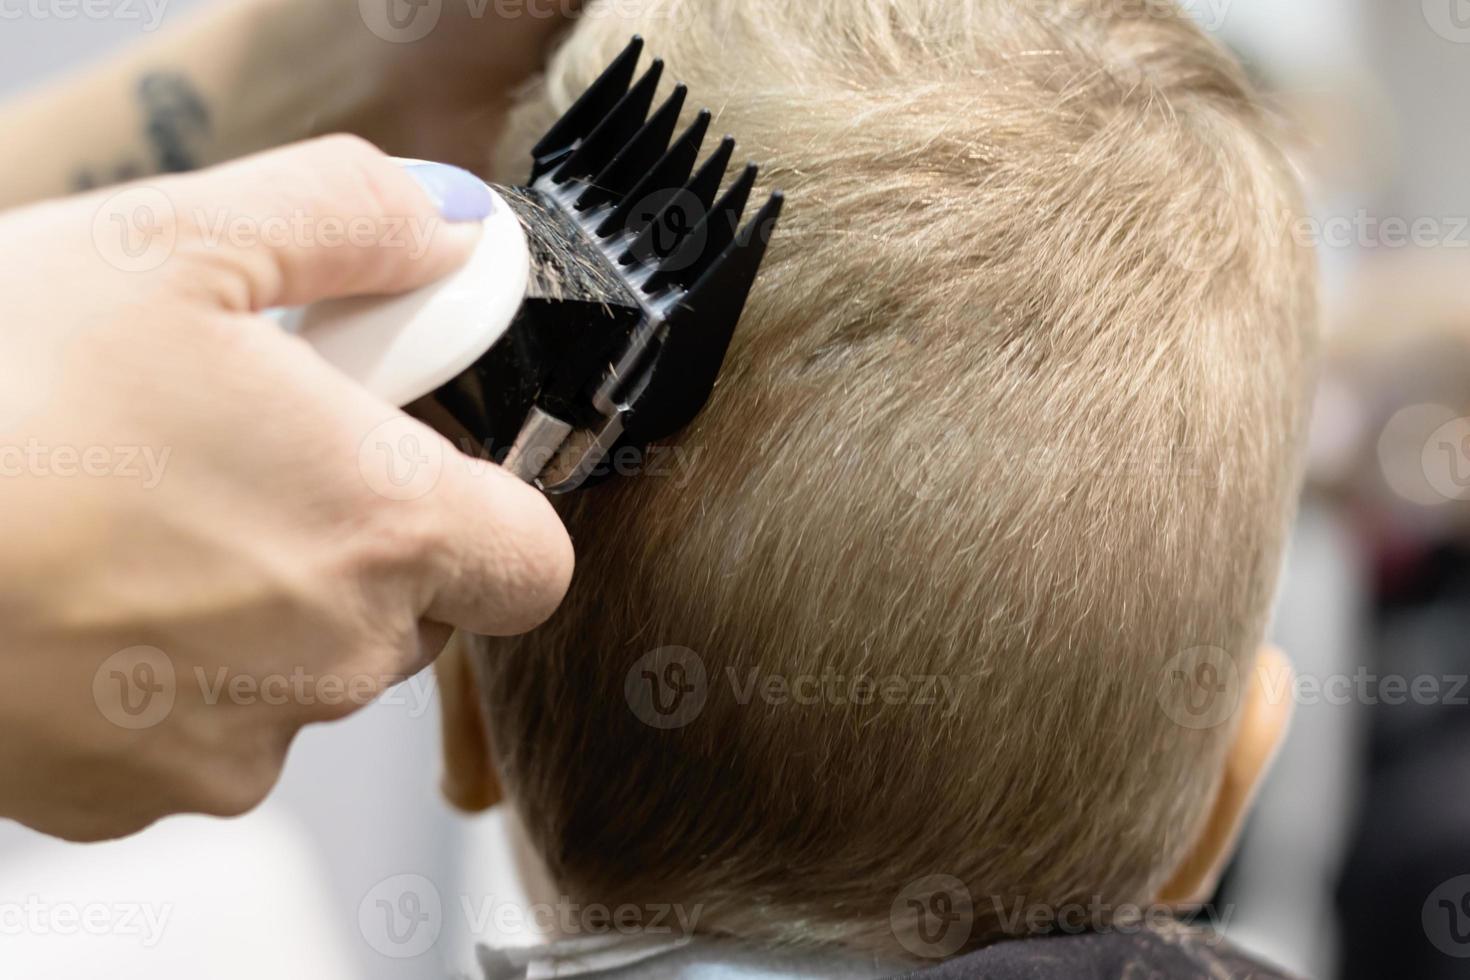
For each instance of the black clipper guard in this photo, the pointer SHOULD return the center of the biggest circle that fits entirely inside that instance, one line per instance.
(640, 271)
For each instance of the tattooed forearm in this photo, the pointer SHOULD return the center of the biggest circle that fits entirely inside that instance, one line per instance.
(177, 126)
(178, 121)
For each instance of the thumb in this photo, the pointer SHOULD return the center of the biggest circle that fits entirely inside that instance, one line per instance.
(504, 561)
(324, 219)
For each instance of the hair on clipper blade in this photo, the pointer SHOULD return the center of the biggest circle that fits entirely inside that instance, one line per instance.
(640, 270)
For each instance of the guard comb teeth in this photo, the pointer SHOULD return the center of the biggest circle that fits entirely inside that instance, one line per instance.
(707, 242)
(673, 261)
(664, 180)
(683, 210)
(699, 329)
(613, 133)
(639, 156)
(590, 109)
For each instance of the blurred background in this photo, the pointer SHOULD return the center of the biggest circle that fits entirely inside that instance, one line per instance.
(1357, 864)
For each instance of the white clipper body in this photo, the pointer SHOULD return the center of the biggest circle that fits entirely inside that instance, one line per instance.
(403, 347)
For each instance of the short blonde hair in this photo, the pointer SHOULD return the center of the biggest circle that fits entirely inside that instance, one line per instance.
(1016, 405)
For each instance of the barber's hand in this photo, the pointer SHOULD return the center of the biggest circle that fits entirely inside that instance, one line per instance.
(204, 546)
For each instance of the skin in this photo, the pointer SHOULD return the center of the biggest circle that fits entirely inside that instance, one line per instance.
(1264, 719)
(246, 75)
(268, 579)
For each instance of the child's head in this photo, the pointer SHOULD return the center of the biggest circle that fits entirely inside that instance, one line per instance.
(1005, 446)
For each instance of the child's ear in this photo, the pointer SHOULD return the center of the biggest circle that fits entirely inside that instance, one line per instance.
(470, 782)
(1262, 729)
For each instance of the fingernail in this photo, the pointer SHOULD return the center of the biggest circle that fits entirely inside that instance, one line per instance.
(459, 194)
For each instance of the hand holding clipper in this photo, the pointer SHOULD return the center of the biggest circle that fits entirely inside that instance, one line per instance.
(599, 305)
(199, 561)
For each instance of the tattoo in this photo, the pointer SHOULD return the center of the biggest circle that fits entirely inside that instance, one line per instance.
(178, 121)
(176, 124)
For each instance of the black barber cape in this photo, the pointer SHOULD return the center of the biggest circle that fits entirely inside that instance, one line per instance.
(1142, 955)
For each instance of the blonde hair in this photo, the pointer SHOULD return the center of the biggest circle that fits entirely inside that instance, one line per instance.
(1015, 405)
